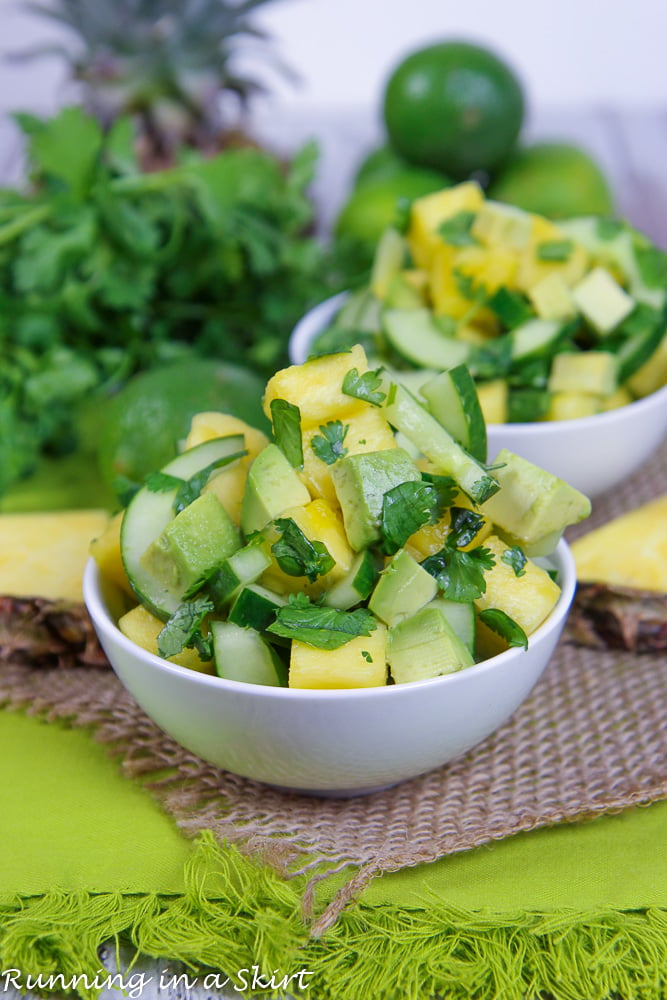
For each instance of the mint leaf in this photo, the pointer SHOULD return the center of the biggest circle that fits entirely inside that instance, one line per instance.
(456, 230)
(183, 630)
(405, 508)
(554, 250)
(329, 445)
(366, 386)
(501, 623)
(516, 558)
(297, 555)
(286, 419)
(324, 628)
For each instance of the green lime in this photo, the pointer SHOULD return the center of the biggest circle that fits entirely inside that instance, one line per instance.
(376, 204)
(381, 164)
(454, 106)
(145, 421)
(559, 180)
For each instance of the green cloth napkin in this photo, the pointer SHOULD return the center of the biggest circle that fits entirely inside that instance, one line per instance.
(579, 911)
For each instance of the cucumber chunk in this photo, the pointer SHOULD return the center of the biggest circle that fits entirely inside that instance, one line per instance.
(452, 399)
(244, 566)
(415, 335)
(150, 512)
(356, 585)
(255, 607)
(461, 617)
(240, 654)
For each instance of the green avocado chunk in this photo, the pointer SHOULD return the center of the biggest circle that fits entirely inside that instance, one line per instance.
(271, 487)
(360, 482)
(425, 646)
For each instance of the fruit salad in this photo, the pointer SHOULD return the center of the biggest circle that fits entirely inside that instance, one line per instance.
(366, 543)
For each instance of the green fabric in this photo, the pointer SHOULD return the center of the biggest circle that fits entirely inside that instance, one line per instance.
(578, 911)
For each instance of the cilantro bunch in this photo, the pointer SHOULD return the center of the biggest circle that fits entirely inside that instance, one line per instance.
(105, 271)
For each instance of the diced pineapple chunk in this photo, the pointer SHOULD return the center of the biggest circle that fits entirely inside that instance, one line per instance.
(589, 372)
(446, 294)
(316, 387)
(602, 301)
(360, 663)
(493, 399)
(497, 224)
(143, 628)
(319, 522)
(532, 269)
(529, 599)
(653, 373)
(573, 405)
(430, 211)
(211, 424)
(367, 430)
(228, 485)
(105, 550)
(621, 397)
(489, 268)
(551, 298)
(44, 555)
(429, 539)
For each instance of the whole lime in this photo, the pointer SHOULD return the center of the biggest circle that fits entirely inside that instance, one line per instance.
(455, 106)
(145, 421)
(375, 204)
(382, 163)
(559, 180)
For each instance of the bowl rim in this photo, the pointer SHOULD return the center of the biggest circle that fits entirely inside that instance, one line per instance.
(104, 622)
(302, 336)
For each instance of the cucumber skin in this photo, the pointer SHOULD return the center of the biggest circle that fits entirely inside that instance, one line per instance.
(149, 513)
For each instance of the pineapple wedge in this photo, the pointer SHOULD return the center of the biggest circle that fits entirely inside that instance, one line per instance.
(44, 555)
(361, 662)
(630, 551)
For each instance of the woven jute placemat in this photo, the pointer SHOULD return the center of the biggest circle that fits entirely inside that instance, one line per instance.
(591, 739)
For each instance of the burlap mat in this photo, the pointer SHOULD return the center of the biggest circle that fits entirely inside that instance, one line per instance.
(590, 739)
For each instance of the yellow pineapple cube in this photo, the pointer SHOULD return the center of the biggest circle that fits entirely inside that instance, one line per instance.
(228, 485)
(320, 522)
(212, 424)
(143, 628)
(653, 373)
(429, 539)
(316, 387)
(493, 399)
(430, 211)
(621, 397)
(44, 554)
(489, 268)
(105, 550)
(367, 430)
(529, 599)
(446, 295)
(572, 405)
(360, 663)
(532, 270)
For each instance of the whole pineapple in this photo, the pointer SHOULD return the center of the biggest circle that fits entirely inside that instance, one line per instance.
(169, 63)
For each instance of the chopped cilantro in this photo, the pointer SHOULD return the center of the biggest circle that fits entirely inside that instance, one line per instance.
(187, 490)
(367, 656)
(468, 288)
(329, 445)
(609, 229)
(652, 264)
(405, 508)
(297, 555)
(465, 526)
(554, 250)
(460, 575)
(516, 558)
(183, 630)
(501, 623)
(286, 419)
(324, 628)
(366, 386)
(456, 229)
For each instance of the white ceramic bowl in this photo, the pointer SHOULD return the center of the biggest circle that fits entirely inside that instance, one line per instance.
(328, 742)
(593, 454)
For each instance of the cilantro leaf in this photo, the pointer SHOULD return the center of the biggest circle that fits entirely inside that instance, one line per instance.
(329, 445)
(468, 287)
(405, 508)
(456, 229)
(162, 482)
(367, 656)
(366, 386)
(609, 229)
(297, 555)
(286, 419)
(191, 488)
(183, 629)
(554, 250)
(516, 558)
(652, 264)
(501, 623)
(465, 526)
(324, 628)
(460, 575)
(445, 488)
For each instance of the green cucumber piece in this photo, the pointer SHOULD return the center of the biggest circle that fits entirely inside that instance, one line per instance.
(240, 654)
(150, 512)
(536, 338)
(406, 414)
(255, 607)
(461, 617)
(415, 335)
(244, 566)
(452, 399)
(637, 350)
(356, 586)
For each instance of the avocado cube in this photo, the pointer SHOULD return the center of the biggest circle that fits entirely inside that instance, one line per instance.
(602, 301)
(533, 507)
(425, 646)
(271, 487)
(193, 545)
(360, 482)
(403, 588)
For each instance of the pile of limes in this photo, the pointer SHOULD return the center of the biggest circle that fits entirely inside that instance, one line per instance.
(455, 110)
